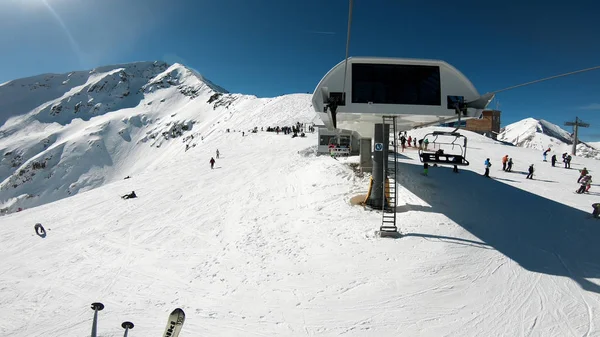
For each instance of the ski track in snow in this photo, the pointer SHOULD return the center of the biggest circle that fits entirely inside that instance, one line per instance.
(267, 244)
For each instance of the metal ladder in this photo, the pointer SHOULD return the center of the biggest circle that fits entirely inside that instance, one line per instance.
(388, 221)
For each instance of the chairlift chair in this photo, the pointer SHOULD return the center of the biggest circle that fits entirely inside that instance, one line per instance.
(445, 158)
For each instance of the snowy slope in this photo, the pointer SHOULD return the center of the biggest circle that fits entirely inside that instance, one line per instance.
(267, 244)
(70, 133)
(541, 135)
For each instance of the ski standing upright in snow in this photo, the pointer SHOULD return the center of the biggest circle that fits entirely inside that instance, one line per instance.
(175, 323)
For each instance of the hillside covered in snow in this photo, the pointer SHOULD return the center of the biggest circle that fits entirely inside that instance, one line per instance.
(541, 135)
(267, 243)
(62, 134)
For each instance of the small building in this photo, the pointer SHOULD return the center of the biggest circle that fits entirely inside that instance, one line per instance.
(488, 124)
(343, 138)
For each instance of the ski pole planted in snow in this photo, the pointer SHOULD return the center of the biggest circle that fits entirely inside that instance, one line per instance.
(126, 326)
(96, 306)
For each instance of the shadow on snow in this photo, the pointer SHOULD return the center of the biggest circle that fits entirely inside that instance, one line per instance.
(539, 234)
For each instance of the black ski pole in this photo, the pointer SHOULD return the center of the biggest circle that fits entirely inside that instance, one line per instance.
(96, 306)
(126, 326)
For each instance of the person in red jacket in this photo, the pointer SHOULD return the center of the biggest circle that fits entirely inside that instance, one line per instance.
(212, 162)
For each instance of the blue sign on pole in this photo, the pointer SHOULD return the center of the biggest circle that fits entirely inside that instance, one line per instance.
(378, 146)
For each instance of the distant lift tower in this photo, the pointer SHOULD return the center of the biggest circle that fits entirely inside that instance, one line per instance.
(576, 125)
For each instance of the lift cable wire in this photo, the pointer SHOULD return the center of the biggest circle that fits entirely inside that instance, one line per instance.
(347, 46)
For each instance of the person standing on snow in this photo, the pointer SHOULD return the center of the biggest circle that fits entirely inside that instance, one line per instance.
(409, 140)
(509, 165)
(487, 164)
(582, 173)
(403, 143)
(568, 161)
(553, 160)
(546, 153)
(217, 153)
(530, 175)
(212, 162)
(504, 162)
(426, 142)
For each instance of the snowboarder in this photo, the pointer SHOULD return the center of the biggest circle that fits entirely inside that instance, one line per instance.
(212, 162)
(504, 162)
(39, 229)
(487, 167)
(582, 173)
(553, 160)
(509, 165)
(130, 195)
(530, 175)
(217, 153)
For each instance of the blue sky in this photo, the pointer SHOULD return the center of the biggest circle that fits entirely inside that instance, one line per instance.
(273, 47)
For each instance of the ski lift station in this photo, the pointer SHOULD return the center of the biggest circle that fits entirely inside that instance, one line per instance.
(365, 101)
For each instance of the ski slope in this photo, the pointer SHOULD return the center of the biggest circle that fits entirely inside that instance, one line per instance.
(267, 244)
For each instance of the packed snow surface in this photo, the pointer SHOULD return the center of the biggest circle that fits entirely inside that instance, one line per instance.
(268, 244)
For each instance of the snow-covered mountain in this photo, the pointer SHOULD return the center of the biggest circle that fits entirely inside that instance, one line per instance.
(268, 243)
(62, 134)
(541, 135)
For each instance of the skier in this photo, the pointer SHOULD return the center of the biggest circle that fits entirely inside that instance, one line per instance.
(487, 167)
(596, 212)
(588, 185)
(530, 175)
(509, 165)
(403, 143)
(546, 153)
(582, 173)
(409, 140)
(212, 162)
(553, 160)
(217, 153)
(568, 161)
(584, 183)
(504, 161)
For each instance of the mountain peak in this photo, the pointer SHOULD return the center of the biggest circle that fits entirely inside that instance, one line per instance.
(540, 134)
